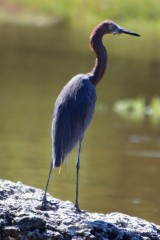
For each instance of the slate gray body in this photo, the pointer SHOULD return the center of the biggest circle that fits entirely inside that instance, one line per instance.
(73, 111)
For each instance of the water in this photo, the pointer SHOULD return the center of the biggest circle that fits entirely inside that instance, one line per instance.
(120, 167)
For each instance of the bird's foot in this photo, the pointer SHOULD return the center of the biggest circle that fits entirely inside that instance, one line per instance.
(78, 210)
(44, 200)
(44, 204)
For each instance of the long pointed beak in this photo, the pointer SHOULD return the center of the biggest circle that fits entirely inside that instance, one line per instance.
(122, 30)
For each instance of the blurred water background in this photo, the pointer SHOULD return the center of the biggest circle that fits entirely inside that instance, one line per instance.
(120, 161)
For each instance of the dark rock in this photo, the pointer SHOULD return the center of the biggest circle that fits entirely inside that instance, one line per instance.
(22, 217)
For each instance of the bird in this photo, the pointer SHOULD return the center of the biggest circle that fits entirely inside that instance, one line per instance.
(75, 105)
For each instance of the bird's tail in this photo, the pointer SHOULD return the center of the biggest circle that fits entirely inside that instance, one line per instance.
(57, 159)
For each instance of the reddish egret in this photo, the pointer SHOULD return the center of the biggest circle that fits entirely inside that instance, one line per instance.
(75, 105)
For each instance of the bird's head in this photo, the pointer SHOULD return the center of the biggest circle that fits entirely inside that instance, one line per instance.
(109, 26)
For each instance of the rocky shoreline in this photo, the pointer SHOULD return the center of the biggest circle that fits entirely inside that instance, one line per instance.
(22, 216)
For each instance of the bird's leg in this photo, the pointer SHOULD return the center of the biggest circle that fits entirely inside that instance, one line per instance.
(77, 174)
(46, 188)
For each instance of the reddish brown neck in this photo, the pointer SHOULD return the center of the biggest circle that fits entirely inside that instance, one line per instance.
(101, 53)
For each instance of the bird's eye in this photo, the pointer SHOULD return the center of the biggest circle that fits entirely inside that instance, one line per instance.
(111, 28)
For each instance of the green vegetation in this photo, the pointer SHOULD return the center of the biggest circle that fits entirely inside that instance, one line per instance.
(88, 12)
(137, 110)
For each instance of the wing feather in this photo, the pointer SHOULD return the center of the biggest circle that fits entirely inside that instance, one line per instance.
(73, 112)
